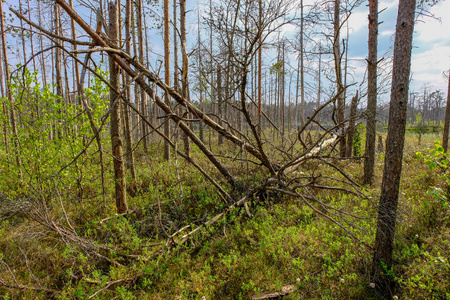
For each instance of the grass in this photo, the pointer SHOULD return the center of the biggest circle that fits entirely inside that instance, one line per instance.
(285, 242)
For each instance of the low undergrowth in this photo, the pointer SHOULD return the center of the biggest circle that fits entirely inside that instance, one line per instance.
(67, 243)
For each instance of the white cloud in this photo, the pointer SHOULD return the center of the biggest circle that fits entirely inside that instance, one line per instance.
(387, 32)
(289, 30)
(431, 52)
(385, 5)
(431, 30)
(428, 66)
(358, 20)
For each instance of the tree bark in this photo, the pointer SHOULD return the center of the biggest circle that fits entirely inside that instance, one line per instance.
(58, 65)
(176, 73)
(166, 74)
(115, 104)
(143, 95)
(387, 210)
(302, 71)
(24, 45)
(31, 38)
(447, 118)
(371, 126)
(340, 109)
(319, 89)
(283, 100)
(128, 134)
(200, 79)
(259, 69)
(351, 125)
(137, 97)
(76, 65)
(219, 100)
(41, 44)
(185, 70)
(5, 110)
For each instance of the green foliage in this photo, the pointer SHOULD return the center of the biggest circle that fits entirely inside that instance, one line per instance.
(424, 128)
(51, 131)
(284, 242)
(418, 118)
(359, 140)
(438, 161)
(277, 68)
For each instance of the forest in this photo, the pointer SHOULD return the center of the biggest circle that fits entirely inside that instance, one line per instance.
(211, 149)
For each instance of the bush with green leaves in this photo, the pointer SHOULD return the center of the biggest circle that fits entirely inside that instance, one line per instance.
(359, 140)
(51, 132)
(438, 161)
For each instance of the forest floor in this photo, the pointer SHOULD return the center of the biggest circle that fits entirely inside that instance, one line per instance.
(66, 242)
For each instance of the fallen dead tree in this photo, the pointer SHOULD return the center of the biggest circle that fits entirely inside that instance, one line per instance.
(284, 174)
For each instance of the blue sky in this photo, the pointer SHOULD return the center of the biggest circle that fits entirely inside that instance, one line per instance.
(431, 42)
(431, 53)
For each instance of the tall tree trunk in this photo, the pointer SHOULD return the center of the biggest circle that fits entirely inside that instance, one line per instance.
(9, 95)
(5, 110)
(185, 71)
(200, 79)
(136, 86)
(351, 125)
(41, 45)
(76, 65)
(219, 100)
(289, 108)
(166, 74)
(143, 95)
(371, 131)
(412, 97)
(302, 71)
(345, 46)
(340, 109)
(283, 100)
(447, 118)
(31, 37)
(387, 209)
(67, 98)
(128, 133)
(176, 73)
(58, 64)
(212, 82)
(115, 104)
(319, 89)
(24, 46)
(260, 69)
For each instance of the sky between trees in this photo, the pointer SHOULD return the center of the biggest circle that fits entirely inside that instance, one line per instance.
(431, 42)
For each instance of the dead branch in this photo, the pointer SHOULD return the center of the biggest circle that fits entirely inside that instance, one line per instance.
(27, 287)
(310, 153)
(171, 242)
(285, 290)
(49, 33)
(108, 284)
